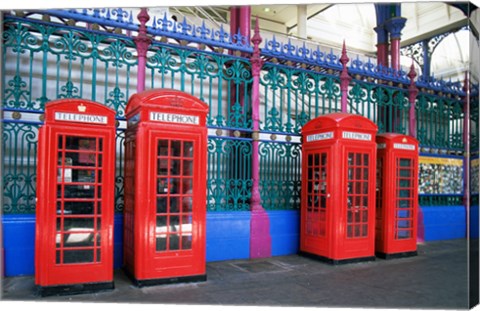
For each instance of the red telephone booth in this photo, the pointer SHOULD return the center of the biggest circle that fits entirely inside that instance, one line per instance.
(165, 188)
(338, 188)
(75, 198)
(397, 196)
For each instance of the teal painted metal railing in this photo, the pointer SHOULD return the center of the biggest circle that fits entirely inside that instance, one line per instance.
(220, 80)
(439, 122)
(229, 174)
(45, 61)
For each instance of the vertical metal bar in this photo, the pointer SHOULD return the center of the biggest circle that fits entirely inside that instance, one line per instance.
(82, 64)
(94, 71)
(30, 80)
(142, 42)
(289, 100)
(260, 241)
(58, 76)
(344, 79)
(316, 87)
(106, 83)
(127, 92)
(412, 96)
(152, 80)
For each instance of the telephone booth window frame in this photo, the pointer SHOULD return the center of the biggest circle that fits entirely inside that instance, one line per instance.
(404, 214)
(317, 192)
(357, 195)
(174, 194)
(77, 239)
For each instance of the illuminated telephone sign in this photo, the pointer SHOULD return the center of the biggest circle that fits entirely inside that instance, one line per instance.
(338, 189)
(75, 198)
(165, 188)
(397, 196)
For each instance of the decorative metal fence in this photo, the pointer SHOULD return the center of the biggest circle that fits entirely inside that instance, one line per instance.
(474, 119)
(98, 60)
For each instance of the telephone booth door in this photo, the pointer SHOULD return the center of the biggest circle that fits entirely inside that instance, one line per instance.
(75, 197)
(397, 196)
(337, 209)
(165, 203)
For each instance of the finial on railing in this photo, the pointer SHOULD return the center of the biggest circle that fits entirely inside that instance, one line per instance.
(143, 18)
(255, 59)
(412, 74)
(412, 97)
(344, 58)
(344, 78)
(256, 39)
(142, 42)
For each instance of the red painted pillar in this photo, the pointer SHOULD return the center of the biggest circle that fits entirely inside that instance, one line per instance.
(244, 22)
(142, 41)
(412, 97)
(260, 239)
(233, 20)
(382, 46)
(395, 26)
(344, 79)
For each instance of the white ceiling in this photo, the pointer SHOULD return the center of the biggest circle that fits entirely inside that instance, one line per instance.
(328, 25)
(347, 21)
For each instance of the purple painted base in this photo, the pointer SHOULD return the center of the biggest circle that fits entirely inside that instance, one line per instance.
(420, 227)
(260, 239)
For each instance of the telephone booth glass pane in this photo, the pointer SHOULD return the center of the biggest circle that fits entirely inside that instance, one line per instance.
(379, 193)
(404, 199)
(357, 195)
(174, 195)
(78, 206)
(379, 184)
(316, 194)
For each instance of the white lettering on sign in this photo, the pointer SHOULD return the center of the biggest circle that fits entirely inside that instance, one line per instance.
(404, 146)
(381, 146)
(319, 136)
(84, 118)
(356, 136)
(174, 118)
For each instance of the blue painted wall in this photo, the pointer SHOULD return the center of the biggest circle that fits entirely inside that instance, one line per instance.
(118, 241)
(18, 244)
(285, 232)
(474, 219)
(443, 222)
(228, 235)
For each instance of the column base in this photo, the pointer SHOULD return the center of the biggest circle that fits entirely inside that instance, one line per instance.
(260, 239)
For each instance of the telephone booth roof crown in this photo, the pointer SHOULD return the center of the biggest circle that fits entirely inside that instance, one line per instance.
(167, 99)
(395, 137)
(340, 120)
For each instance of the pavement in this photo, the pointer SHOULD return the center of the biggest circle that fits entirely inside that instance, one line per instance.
(437, 278)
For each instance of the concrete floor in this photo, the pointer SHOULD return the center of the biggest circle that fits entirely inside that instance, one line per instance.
(435, 279)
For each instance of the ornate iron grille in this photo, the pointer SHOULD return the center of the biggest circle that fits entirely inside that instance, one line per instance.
(44, 61)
